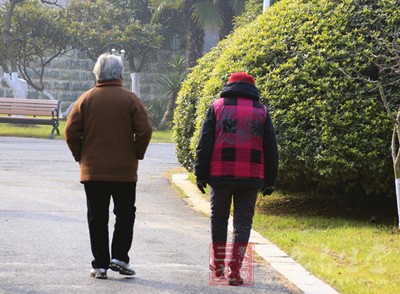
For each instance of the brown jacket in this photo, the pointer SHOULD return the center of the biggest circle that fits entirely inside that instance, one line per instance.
(107, 131)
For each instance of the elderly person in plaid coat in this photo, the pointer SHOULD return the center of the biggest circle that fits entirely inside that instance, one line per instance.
(237, 156)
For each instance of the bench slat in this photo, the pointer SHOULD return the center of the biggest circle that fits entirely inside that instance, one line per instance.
(27, 100)
(32, 107)
(26, 111)
(26, 120)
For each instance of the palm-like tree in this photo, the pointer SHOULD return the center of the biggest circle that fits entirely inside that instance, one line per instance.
(197, 14)
(171, 82)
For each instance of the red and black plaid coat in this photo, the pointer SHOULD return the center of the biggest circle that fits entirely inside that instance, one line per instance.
(237, 143)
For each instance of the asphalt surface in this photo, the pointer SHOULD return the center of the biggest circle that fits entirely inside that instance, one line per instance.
(44, 240)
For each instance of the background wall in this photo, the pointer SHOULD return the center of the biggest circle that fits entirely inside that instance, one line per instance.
(69, 76)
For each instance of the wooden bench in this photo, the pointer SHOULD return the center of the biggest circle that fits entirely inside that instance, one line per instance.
(30, 111)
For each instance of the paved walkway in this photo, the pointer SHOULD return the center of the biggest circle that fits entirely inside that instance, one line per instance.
(44, 244)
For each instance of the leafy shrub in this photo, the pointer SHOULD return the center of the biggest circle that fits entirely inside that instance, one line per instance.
(332, 130)
(155, 109)
(253, 8)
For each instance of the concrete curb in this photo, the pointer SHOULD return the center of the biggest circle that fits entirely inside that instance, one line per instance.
(278, 259)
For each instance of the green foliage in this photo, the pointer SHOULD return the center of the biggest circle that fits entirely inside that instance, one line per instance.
(37, 34)
(174, 74)
(38, 31)
(99, 26)
(171, 82)
(252, 10)
(155, 109)
(332, 130)
(197, 15)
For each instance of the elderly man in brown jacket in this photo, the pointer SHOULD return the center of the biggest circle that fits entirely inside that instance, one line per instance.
(108, 131)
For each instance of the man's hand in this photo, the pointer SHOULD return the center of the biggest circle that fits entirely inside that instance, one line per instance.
(267, 190)
(201, 184)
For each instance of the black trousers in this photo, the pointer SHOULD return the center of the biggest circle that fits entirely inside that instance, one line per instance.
(98, 196)
(244, 201)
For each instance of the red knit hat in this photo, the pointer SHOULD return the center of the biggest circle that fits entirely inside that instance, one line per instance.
(240, 77)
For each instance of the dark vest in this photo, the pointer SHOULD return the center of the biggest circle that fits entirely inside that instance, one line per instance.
(238, 148)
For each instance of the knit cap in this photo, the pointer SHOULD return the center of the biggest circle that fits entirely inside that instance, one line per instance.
(240, 77)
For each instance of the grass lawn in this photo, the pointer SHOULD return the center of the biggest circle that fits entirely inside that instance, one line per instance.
(31, 131)
(341, 246)
(41, 131)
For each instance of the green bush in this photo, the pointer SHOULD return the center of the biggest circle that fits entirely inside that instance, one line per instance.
(253, 8)
(156, 109)
(332, 130)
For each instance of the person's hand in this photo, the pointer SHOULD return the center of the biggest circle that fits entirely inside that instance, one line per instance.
(201, 184)
(267, 190)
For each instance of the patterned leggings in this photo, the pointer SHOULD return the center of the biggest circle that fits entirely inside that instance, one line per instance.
(244, 200)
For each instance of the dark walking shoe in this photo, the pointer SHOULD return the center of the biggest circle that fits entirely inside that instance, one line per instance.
(234, 278)
(98, 273)
(122, 267)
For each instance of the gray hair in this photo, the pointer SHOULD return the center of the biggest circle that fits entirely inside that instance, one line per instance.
(108, 67)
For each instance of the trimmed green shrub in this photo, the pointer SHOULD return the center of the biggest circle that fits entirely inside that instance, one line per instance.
(333, 132)
(253, 9)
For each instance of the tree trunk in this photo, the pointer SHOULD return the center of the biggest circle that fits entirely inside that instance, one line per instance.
(17, 85)
(48, 94)
(397, 183)
(7, 39)
(266, 4)
(227, 25)
(195, 43)
(135, 79)
(195, 36)
(68, 111)
(396, 164)
(167, 118)
(396, 167)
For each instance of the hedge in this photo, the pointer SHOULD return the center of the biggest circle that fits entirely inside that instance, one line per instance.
(332, 130)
